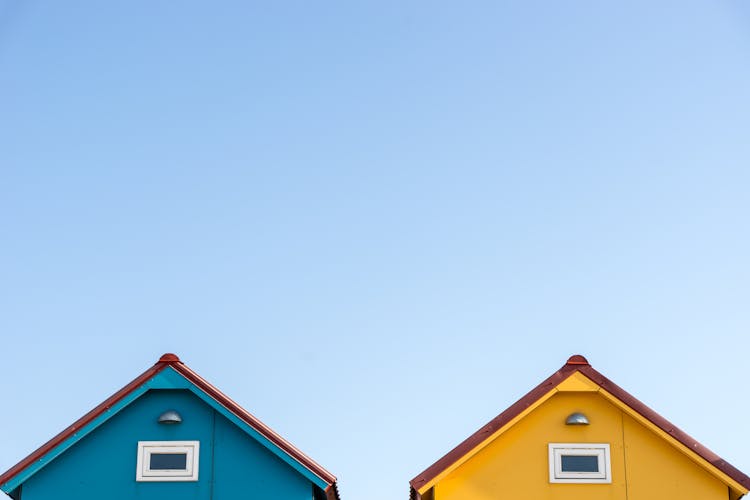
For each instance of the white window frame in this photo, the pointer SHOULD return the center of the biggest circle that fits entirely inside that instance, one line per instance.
(599, 450)
(144, 472)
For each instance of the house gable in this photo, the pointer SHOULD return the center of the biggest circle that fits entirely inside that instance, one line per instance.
(129, 417)
(509, 454)
(103, 462)
(517, 462)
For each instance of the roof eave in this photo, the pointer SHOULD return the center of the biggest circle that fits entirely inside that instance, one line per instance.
(490, 427)
(256, 424)
(80, 423)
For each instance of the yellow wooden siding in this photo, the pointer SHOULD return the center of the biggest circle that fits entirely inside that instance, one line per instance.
(656, 470)
(515, 466)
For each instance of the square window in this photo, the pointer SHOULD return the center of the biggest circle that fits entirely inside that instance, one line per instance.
(579, 463)
(167, 461)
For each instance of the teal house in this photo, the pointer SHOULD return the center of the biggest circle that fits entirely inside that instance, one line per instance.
(168, 435)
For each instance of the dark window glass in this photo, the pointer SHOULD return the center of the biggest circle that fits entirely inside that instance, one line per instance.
(580, 463)
(168, 461)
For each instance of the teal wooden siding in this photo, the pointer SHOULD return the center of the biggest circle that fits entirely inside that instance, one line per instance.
(233, 465)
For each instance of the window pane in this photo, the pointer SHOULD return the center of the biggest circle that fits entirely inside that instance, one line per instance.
(169, 461)
(580, 463)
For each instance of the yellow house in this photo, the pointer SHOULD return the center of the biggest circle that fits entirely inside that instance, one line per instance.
(579, 436)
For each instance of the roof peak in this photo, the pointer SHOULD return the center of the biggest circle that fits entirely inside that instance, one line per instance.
(169, 357)
(577, 359)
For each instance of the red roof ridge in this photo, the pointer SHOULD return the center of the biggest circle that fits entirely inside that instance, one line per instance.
(580, 364)
(577, 359)
(169, 357)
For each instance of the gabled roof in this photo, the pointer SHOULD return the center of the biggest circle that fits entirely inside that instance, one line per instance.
(576, 364)
(164, 370)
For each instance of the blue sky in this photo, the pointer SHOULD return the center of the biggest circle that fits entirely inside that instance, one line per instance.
(375, 224)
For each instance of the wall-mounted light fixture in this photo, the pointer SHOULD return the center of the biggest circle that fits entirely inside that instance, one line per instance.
(170, 417)
(577, 418)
